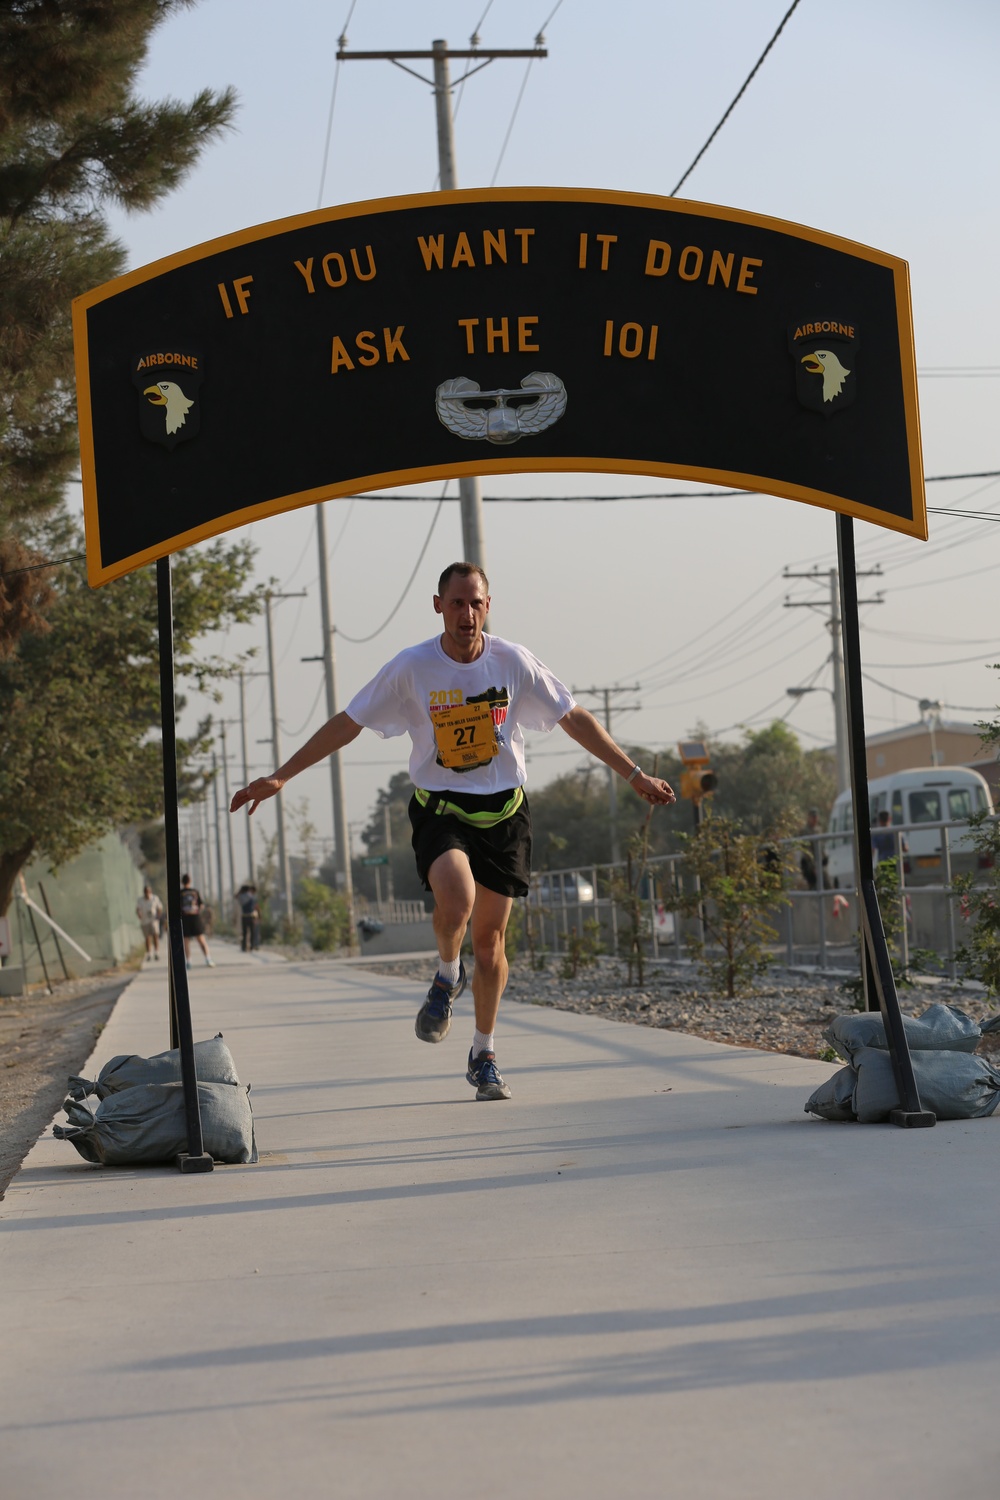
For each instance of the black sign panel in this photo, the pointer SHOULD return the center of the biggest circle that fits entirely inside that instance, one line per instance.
(503, 331)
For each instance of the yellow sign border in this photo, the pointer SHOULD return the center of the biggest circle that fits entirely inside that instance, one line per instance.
(99, 573)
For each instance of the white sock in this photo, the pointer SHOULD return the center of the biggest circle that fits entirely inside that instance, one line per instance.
(448, 969)
(482, 1043)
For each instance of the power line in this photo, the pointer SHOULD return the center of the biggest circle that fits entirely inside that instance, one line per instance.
(341, 42)
(361, 640)
(784, 20)
(962, 708)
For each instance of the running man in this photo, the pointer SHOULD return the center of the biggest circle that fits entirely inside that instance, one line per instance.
(464, 698)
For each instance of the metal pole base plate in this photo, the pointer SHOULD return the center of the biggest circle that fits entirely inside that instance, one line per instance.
(204, 1163)
(913, 1119)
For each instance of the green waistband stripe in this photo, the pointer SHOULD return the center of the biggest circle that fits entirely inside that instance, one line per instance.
(477, 819)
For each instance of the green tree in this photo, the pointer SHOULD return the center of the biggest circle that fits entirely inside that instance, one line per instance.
(325, 915)
(395, 799)
(571, 815)
(738, 890)
(768, 779)
(979, 955)
(73, 138)
(80, 701)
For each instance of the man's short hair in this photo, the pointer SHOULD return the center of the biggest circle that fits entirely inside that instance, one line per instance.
(464, 570)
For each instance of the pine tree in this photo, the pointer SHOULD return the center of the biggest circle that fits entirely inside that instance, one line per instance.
(80, 700)
(73, 139)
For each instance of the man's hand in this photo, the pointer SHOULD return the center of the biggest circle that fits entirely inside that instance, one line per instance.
(257, 792)
(652, 789)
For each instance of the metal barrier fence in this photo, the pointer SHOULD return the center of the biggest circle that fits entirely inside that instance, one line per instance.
(816, 927)
(392, 911)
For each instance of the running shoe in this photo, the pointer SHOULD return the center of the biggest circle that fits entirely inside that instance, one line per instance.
(484, 1076)
(434, 1017)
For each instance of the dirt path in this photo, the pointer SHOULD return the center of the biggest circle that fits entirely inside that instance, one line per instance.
(43, 1039)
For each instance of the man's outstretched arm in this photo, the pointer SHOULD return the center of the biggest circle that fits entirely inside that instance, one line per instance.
(589, 732)
(334, 735)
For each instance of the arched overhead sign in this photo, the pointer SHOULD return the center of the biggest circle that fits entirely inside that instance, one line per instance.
(492, 332)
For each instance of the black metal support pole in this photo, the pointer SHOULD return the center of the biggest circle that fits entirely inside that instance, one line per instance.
(195, 1158)
(880, 986)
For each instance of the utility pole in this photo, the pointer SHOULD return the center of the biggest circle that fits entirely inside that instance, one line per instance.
(225, 803)
(342, 853)
(605, 693)
(473, 539)
(251, 861)
(218, 824)
(283, 861)
(834, 625)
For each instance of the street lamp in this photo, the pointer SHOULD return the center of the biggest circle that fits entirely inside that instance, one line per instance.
(843, 766)
(930, 712)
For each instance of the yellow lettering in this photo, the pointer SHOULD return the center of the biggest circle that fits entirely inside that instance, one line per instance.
(469, 324)
(497, 242)
(630, 340)
(657, 258)
(609, 329)
(340, 360)
(432, 250)
(335, 256)
(463, 251)
(225, 302)
(240, 287)
(524, 235)
(606, 241)
(307, 272)
(683, 271)
(746, 275)
(653, 335)
(497, 333)
(394, 344)
(363, 341)
(583, 253)
(361, 275)
(722, 264)
(525, 331)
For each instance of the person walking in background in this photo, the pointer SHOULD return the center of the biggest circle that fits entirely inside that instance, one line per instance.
(246, 900)
(807, 861)
(192, 921)
(464, 698)
(884, 839)
(149, 910)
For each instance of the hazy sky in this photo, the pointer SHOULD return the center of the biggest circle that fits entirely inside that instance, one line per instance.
(875, 120)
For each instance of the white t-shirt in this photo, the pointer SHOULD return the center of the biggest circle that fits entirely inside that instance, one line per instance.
(464, 719)
(149, 909)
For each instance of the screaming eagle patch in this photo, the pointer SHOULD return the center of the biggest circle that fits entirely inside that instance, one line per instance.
(825, 355)
(168, 384)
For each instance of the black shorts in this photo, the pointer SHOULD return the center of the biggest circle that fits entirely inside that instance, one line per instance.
(500, 857)
(194, 925)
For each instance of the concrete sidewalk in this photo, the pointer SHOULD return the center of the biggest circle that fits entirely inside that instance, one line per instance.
(649, 1274)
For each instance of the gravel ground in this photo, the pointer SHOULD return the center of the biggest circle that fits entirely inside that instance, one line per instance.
(788, 1011)
(43, 1039)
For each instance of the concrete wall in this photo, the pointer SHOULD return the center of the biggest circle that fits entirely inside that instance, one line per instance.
(400, 937)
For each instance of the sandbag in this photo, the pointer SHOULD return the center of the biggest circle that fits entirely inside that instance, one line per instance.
(834, 1099)
(940, 1028)
(148, 1123)
(955, 1085)
(213, 1063)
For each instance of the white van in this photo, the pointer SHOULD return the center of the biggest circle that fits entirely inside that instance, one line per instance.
(929, 795)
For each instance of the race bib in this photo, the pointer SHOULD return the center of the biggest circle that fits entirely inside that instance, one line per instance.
(464, 735)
